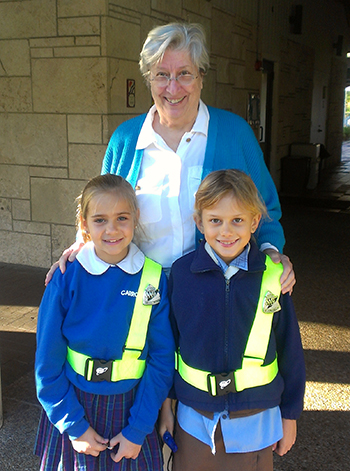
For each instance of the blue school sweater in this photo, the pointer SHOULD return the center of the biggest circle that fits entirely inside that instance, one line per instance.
(212, 318)
(92, 314)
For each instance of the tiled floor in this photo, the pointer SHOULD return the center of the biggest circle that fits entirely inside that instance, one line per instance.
(317, 226)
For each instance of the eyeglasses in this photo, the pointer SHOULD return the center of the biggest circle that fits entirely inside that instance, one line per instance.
(184, 78)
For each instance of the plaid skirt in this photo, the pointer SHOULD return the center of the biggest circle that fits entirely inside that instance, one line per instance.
(108, 415)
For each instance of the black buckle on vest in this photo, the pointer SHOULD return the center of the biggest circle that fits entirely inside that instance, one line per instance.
(225, 383)
(101, 370)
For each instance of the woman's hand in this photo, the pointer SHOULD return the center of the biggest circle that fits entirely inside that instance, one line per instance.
(288, 276)
(289, 437)
(90, 443)
(126, 448)
(166, 419)
(68, 255)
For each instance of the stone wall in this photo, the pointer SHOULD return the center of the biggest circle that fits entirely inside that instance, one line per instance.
(64, 67)
(63, 71)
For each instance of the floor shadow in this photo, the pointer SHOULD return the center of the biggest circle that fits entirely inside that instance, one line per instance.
(21, 285)
(17, 355)
(322, 443)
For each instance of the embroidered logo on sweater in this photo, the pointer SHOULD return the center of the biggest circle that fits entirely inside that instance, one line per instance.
(271, 304)
(151, 296)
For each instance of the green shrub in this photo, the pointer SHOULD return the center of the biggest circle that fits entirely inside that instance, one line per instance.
(346, 133)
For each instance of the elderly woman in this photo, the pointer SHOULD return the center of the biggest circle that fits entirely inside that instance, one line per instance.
(165, 153)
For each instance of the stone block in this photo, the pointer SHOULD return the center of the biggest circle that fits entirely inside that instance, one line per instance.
(21, 209)
(15, 94)
(5, 214)
(85, 129)
(52, 42)
(224, 96)
(88, 41)
(119, 72)
(239, 102)
(85, 161)
(62, 238)
(31, 227)
(33, 139)
(173, 8)
(123, 39)
(25, 249)
(140, 6)
(78, 51)
(237, 75)
(41, 52)
(54, 200)
(86, 8)
(71, 85)
(14, 181)
(223, 69)
(221, 34)
(27, 19)
(110, 124)
(208, 94)
(79, 26)
(197, 6)
(14, 58)
(48, 172)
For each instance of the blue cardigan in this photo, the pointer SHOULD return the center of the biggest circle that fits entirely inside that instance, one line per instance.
(212, 318)
(231, 144)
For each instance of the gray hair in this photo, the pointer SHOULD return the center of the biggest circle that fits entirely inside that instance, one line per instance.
(177, 36)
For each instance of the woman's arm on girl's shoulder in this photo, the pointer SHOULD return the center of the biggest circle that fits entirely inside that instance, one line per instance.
(69, 255)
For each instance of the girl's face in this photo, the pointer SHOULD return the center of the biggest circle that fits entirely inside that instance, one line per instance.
(227, 227)
(110, 223)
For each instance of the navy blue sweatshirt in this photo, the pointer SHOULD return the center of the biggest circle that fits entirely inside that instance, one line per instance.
(211, 319)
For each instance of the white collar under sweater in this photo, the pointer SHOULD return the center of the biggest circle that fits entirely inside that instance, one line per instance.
(131, 264)
(148, 135)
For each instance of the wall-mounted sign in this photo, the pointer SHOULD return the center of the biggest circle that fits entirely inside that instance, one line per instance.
(130, 93)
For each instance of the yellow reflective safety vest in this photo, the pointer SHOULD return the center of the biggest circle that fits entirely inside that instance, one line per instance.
(253, 372)
(129, 366)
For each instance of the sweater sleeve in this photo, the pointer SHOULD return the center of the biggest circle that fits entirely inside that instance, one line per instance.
(120, 158)
(158, 376)
(55, 392)
(232, 144)
(270, 229)
(290, 356)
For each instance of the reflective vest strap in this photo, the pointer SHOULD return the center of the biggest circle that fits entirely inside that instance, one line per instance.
(197, 378)
(121, 369)
(259, 336)
(136, 339)
(129, 366)
(127, 369)
(253, 373)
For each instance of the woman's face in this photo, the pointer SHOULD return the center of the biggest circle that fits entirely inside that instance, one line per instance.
(176, 104)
